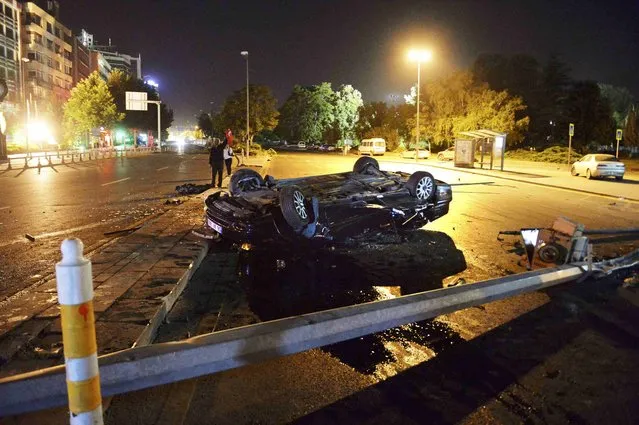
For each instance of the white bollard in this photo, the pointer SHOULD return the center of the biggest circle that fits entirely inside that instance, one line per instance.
(75, 295)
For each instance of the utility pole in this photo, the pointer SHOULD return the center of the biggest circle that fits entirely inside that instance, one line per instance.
(248, 139)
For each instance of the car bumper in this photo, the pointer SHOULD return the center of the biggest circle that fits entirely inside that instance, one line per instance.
(608, 173)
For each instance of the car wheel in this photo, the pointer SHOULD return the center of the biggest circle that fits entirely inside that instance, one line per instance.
(588, 175)
(364, 163)
(618, 178)
(440, 157)
(245, 180)
(573, 171)
(294, 207)
(422, 185)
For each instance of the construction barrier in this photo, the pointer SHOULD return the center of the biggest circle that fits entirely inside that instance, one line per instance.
(75, 295)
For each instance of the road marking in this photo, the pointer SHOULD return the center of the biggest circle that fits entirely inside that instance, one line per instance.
(163, 168)
(114, 182)
(4, 208)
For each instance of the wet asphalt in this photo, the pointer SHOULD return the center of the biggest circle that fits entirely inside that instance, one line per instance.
(548, 357)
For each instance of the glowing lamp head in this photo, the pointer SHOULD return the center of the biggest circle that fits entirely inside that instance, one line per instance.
(244, 53)
(420, 55)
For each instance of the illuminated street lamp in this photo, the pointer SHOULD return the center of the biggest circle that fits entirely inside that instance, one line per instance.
(245, 54)
(419, 56)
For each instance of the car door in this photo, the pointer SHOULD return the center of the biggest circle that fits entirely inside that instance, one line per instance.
(580, 166)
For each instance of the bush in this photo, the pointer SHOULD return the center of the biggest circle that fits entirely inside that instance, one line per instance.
(554, 154)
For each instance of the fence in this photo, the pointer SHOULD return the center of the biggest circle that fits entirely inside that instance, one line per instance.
(53, 158)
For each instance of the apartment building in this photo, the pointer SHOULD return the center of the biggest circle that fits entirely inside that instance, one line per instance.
(10, 53)
(47, 56)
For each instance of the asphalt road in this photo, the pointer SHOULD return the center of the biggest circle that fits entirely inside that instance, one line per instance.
(537, 358)
(83, 200)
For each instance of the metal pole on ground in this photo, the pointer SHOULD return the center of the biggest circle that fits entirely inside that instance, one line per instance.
(75, 295)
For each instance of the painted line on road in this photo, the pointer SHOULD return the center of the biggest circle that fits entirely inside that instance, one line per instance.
(160, 169)
(4, 208)
(114, 182)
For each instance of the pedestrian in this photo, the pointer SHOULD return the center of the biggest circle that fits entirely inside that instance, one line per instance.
(216, 160)
(228, 158)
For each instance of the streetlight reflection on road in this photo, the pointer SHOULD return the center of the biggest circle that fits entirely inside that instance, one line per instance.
(418, 56)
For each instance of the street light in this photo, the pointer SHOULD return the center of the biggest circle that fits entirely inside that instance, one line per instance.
(24, 103)
(419, 56)
(245, 54)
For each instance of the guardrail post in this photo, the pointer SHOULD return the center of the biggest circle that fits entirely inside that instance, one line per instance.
(75, 295)
(26, 162)
(9, 164)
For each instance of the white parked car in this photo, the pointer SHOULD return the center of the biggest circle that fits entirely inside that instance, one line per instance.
(599, 165)
(447, 155)
(413, 154)
(301, 145)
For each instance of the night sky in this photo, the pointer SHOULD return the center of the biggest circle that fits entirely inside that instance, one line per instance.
(192, 48)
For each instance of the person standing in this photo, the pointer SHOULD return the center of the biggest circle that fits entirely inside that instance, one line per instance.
(228, 158)
(216, 160)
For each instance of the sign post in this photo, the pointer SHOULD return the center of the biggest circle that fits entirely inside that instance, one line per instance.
(571, 132)
(136, 101)
(619, 136)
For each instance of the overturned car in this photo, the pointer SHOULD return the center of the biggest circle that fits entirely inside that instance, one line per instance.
(325, 209)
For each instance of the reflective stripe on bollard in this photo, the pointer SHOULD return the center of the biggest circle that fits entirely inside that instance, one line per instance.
(75, 295)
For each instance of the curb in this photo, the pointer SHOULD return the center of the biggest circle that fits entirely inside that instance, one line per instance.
(588, 192)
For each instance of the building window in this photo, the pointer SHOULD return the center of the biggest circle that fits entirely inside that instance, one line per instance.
(11, 74)
(49, 44)
(57, 32)
(57, 48)
(9, 33)
(49, 28)
(67, 70)
(3, 73)
(32, 75)
(67, 54)
(31, 56)
(49, 63)
(37, 38)
(2, 51)
(10, 54)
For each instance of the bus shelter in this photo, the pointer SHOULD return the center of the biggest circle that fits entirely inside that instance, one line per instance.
(491, 145)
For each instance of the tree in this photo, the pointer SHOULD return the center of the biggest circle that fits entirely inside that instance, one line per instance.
(308, 113)
(377, 119)
(348, 101)
(630, 134)
(591, 114)
(90, 106)
(262, 109)
(621, 102)
(205, 124)
(119, 83)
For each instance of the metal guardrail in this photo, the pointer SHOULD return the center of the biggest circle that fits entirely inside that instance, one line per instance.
(137, 368)
(53, 158)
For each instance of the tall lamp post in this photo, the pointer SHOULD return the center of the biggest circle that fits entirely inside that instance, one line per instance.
(24, 102)
(418, 56)
(245, 54)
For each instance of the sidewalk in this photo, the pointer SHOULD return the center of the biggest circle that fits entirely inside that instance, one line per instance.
(544, 174)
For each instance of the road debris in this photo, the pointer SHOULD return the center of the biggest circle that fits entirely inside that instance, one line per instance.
(121, 231)
(30, 237)
(192, 189)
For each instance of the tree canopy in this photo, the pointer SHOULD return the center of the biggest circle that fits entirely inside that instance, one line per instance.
(263, 114)
(90, 106)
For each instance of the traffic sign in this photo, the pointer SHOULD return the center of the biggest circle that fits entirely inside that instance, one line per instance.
(619, 134)
(136, 101)
(571, 129)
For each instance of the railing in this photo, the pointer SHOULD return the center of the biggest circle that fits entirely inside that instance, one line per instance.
(63, 157)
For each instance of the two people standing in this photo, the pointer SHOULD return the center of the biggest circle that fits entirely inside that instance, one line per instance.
(216, 160)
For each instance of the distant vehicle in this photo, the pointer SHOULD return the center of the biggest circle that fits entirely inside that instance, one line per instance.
(599, 165)
(447, 155)
(301, 145)
(372, 147)
(331, 148)
(423, 154)
(274, 142)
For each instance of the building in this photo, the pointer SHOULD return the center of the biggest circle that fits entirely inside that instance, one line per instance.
(10, 52)
(47, 46)
(131, 65)
(81, 61)
(98, 63)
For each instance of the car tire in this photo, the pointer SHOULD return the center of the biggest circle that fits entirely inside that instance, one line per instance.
(244, 180)
(422, 185)
(618, 178)
(440, 158)
(363, 164)
(588, 175)
(552, 253)
(573, 171)
(294, 207)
